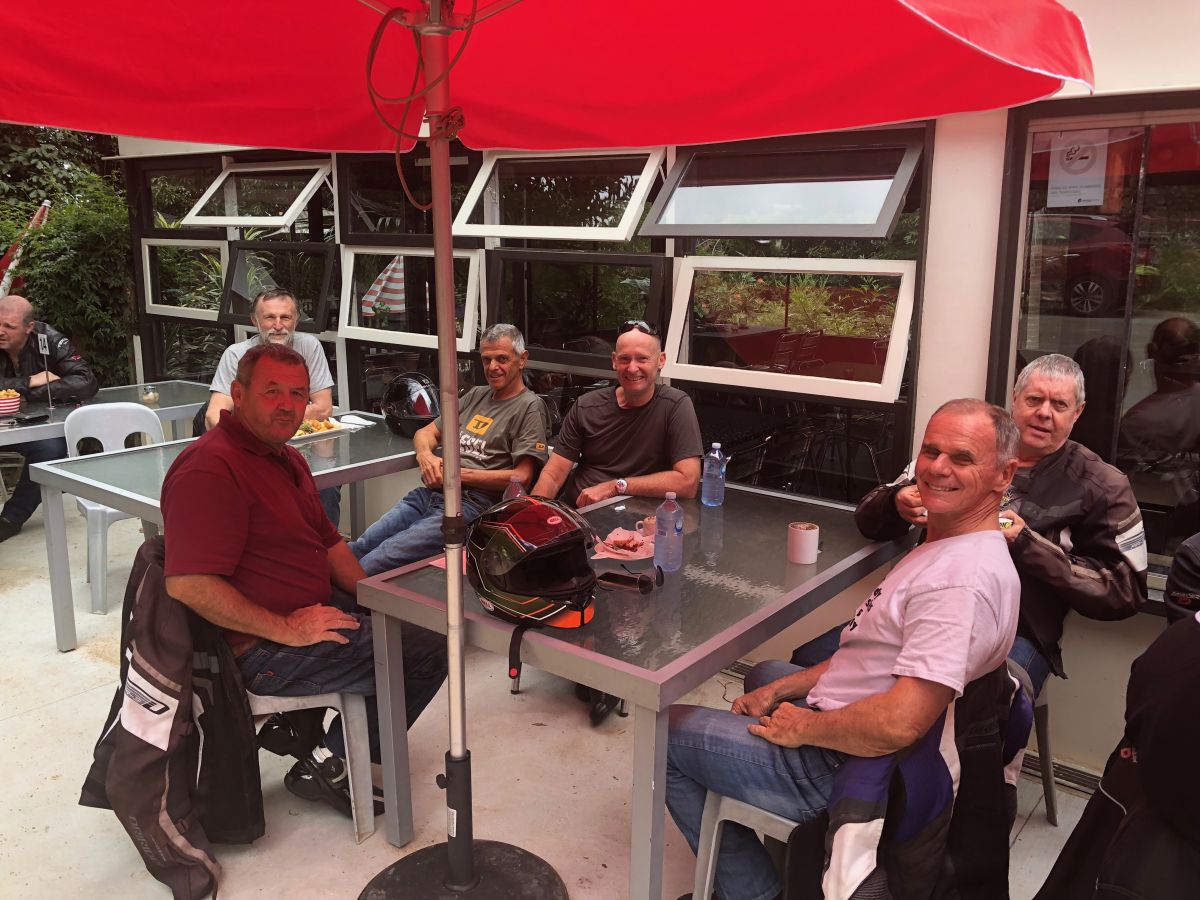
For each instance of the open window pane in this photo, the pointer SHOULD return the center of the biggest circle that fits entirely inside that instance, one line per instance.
(835, 192)
(184, 278)
(559, 196)
(836, 328)
(390, 297)
(268, 195)
(571, 309)
(375, 201)
(304, 269)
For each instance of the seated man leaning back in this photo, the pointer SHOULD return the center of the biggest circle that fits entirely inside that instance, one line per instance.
(639, 438)
(944, 616)
(250, 549)
(502, 433)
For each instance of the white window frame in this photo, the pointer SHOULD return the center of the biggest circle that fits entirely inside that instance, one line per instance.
(320, 172)
(623, 231)
(180, 312)
(886, 391)
(465, 344)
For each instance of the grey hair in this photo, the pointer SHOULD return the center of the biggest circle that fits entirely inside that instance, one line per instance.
(275, 293)
(1007, 433)
(1052, 365)
(504, 330)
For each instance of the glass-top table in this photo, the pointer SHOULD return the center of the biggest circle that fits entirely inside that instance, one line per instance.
(735, 590)
(131, 481)
(178, 401)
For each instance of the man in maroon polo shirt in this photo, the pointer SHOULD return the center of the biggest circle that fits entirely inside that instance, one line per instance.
(250, 549)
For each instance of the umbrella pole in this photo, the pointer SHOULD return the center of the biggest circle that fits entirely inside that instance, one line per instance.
(477, 869)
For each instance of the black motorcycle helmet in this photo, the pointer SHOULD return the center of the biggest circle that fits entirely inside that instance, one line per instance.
(410, 402)
(527, 559)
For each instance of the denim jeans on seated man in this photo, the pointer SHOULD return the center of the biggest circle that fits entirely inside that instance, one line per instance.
(27, 496)
(412, 529)
(328, 667)
(710, 747)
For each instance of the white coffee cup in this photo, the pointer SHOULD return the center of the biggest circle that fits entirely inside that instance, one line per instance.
(803, 538)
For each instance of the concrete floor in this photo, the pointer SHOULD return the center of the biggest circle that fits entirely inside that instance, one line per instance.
(543, 778)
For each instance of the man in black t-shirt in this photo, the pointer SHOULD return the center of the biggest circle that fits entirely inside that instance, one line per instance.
(639, 438)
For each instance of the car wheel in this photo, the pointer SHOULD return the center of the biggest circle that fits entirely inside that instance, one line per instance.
(1090, 295)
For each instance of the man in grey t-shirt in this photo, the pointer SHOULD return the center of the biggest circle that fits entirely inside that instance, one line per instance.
(275, 313)
(502, 434)
(639, 438)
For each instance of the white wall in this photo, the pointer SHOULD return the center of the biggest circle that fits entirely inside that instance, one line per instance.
(960, 255)
(1140, 47)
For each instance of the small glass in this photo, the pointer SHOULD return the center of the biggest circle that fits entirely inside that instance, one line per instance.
(150, 395)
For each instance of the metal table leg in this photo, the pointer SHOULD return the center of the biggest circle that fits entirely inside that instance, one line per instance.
(649, 803)
(59, 564)
(393, 730)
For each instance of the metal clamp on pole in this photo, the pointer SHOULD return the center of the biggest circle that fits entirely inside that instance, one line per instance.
(454, 530)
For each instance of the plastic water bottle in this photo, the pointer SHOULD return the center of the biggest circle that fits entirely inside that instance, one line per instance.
(712, 485)
(514, 489)
(668, 534)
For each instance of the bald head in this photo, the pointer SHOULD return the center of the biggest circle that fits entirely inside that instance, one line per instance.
(16, 322)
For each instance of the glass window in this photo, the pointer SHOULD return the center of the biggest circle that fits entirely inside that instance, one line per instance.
(307, 270)
(375, 200)
(837, 191)
(570, 306)
(175, 191)
(1112, 278)
(184, 278)
(191, 352)
(836, 328)
(559, 196)
(389, 297)
(263, 194)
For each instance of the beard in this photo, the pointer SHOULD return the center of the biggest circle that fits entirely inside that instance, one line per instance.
(266, 335)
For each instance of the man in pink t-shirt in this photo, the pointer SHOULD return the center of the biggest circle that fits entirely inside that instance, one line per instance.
(944, 616)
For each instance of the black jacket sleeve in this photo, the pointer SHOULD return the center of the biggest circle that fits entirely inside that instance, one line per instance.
(876, 515)
(76, 381)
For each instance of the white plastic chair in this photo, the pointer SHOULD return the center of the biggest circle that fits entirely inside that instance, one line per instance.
(110, 424)
(718, 809)
(358, 750)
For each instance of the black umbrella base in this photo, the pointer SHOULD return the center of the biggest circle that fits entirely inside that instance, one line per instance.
(505, 872)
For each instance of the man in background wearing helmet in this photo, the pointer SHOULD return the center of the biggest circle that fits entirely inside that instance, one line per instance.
(275, 313)
(502, 434)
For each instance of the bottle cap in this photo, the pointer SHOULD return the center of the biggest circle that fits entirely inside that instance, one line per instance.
(670, 495)
(716, 445)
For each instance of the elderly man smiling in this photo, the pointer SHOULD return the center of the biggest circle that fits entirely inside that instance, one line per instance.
(942, 618)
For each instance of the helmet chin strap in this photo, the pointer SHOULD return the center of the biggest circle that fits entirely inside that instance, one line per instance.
(514, 655)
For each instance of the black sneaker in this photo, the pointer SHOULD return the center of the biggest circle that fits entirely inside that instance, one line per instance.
(602, 707)
(8, 529)
(328, 781)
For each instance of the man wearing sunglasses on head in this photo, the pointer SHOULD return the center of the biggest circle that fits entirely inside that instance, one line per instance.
(639, 438)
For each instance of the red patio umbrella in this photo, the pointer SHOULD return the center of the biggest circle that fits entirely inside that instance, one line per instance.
(526, 74)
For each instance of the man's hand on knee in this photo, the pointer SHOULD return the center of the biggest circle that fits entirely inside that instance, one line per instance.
(786, 726)
(757, 703)
(313, 624)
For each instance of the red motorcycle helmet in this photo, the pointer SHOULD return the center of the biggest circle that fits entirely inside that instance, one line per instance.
(528, 560)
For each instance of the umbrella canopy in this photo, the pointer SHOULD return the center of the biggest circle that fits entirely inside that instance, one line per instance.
(536, 74)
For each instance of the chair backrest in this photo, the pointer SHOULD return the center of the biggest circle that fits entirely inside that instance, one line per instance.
(111, 424)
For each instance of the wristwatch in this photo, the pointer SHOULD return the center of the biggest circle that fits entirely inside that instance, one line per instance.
(622, 486)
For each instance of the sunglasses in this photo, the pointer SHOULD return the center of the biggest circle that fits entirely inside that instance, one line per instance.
(642, 582)
(643, 327)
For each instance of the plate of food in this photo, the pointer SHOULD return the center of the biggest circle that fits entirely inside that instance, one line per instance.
(315, 428)
(10, 401)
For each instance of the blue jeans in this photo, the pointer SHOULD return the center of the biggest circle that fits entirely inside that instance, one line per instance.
(27, 496)
(328, 667)
(331, 502)
(1029, 658)
(711, 749)
(411, 530)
